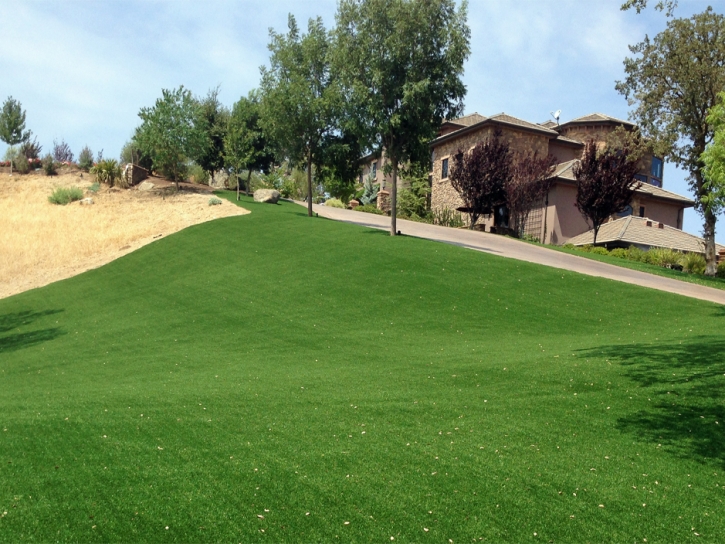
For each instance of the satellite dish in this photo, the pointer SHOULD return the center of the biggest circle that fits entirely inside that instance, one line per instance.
(556, 114)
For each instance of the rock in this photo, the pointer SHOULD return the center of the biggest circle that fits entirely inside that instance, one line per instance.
(146, 186)
(85, 201)
(220, 180)
(354, 204)
(270, 196)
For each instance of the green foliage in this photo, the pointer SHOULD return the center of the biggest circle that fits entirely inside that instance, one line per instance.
(12, 123)
(214, 201)
(131, 153)
(109, 171)
(65, 195)
(694, 263)
(197, 174)
(21, 163)
(413, 201)
(664, 257)
(212, 120)
(95, 187)
(31, 148)
(370, 208)
(85, 159)
(721, 270)
(335, 203)
(636, 254)
(599, 251)
(619, 252)
(49, 165)
(714, 157)
(370, 191)
(169, 133)
(446, 217)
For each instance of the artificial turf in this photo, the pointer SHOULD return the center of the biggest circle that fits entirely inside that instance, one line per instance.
(273, 377)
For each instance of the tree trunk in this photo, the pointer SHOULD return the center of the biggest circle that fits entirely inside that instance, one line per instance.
(596, 231)
(309, 183)
(236, 175)
(709, 236)
(249, 181)
(394, 200)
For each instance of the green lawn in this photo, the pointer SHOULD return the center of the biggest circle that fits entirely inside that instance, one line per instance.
(277, 378)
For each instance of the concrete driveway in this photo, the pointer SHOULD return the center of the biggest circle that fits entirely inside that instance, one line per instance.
(515, 249)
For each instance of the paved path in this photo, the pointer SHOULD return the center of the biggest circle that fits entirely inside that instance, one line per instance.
(515, 249)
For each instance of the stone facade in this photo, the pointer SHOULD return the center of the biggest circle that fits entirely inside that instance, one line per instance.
(134, 174)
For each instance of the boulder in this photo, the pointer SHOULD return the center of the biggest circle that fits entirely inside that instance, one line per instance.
(146, 186)
(221, 179)
(270, 196)
(85, 201)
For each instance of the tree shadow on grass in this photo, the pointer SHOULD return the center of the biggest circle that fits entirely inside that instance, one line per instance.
(19, 340)
(686, 384)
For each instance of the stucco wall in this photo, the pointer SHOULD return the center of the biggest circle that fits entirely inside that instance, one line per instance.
(563, 152)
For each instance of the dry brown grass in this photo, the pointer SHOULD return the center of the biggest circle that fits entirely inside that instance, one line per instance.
(42, 242)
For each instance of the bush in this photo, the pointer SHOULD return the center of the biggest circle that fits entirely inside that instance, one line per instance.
(49, 165)
(334, 203)
(85, 159)
(62, 152)
(95, 186)
(214, 201)
(694, 263)
(599, 251)
(31, 149)
(63, 195)
(198, 175)
(108, 171)
(21, 164)
(721, 270)
(664, 257)
(636, 254)
(619, 252)
(370, 208)
(586, 248)
(414, 201)
(569, 246)
(447, 218)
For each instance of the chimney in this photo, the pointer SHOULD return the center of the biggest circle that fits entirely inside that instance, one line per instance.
(649, 223)
(661, 225)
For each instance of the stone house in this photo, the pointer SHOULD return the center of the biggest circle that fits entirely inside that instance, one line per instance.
(556, 220)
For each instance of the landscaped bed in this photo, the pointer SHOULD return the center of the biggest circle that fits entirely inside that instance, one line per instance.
(292, 379)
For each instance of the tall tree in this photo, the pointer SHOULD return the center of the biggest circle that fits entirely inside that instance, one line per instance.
(668, 6)
(169, 134)
(12, 125)
(480, 176)
(714, 158)
(528, 184)
(245, 146)
(402, 63)
(673, 83)
(212, 120)
(605, 183)
(299, 95)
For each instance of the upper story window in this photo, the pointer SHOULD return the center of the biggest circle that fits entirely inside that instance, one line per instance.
(444, 169)
(626, 212)
(656, 170)
(375, 169)
(641, 177)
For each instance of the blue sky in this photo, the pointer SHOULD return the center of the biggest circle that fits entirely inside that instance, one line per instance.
(83, 69)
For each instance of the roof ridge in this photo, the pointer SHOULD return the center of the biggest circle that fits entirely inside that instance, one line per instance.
(625, 227)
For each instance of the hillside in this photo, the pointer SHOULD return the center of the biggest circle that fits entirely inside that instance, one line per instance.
(283, 378)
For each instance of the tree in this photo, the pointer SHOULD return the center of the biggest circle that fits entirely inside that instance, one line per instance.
(245, 146)
(339, 164)
(299, 95)
(674, 83)
(668, 6)
(212, 120)
(12, 125)
(605, 183)
(528, 184)
(480, 176)
(401, 62)
(714, 157)
(168, 133)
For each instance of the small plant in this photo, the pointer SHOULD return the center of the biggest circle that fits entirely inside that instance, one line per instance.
(530, 238)
(197, 174)
(65, 195)
(448, 218)
(214, 201)
(370, 191)
(108, 171)
(95, 187)
(62, 152)
(370, 208)
(31, 149)
(49, 165)
(569, 246)
(619, 252)
(694, 263)
(20, 163)
(599, 251)
(85, 159)
(334, 203)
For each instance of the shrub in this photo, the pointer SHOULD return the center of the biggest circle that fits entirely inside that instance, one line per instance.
(599, 251)
(31, 149)
(586, 247)
(370, 208)
(636, 254)
(569, 246)
(108, 171)
(198, 175)
(447, 218)
(214, 201)
(721, 270)
(21, 163)
(414, 201)
(95, 186)
(63, 195)
(334, 203)
(664, 257)
(85, 159)
(619, 252)
(694, 263)
(49, 165)
(62, 152)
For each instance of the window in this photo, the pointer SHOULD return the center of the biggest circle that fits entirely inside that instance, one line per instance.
(640, 177)
(656, 170)
(625, 212)
(375, 169)
(641, 211)
(444, 169)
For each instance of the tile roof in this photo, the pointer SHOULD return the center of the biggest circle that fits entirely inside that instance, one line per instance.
(634, 230)
(472, 121)
(598, 118)
(467, 120)
(511, 120)
(564, 139)
(565, 170)
(548, 124)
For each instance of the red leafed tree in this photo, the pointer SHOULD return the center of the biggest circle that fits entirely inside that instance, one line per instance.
(527, 186)
(605, 182)
(480, 176)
